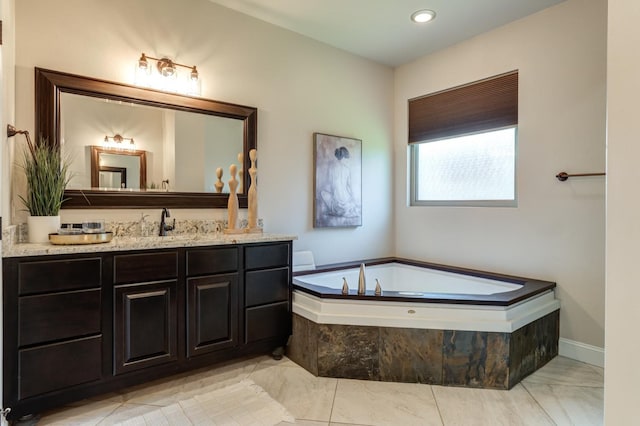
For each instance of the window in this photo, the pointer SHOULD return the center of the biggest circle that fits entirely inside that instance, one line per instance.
(463, 144)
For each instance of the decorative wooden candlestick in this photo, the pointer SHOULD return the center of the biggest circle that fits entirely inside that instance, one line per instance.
(219, 184)
(252, 214)
(232, 205)
(241, 172)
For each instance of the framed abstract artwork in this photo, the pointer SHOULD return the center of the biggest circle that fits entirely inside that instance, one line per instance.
(337, 181)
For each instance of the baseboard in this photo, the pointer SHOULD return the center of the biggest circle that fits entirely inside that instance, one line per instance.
(593, 355)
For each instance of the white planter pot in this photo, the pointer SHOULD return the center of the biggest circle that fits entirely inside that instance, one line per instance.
(39, 228)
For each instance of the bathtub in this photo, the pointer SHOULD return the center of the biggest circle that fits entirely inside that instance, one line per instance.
(423, 295)
(432, 324)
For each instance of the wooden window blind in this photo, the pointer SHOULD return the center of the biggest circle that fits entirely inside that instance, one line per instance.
(475, 107)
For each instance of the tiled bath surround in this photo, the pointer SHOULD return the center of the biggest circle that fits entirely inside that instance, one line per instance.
(440, 357)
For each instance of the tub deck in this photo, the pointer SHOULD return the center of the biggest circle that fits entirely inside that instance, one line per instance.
(528, 287)
(482, 341)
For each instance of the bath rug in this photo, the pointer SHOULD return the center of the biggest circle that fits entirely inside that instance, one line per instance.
(239, 404)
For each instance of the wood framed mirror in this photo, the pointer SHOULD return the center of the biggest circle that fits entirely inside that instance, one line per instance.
(105, 161)
(50, 86)
(110, 177)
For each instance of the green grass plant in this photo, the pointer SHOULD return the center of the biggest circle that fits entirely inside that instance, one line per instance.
(47, 174)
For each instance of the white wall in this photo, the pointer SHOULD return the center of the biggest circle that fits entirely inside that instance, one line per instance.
(557, 231)
(225, 131)
(299, 86)
(623, 209)
(189, 152)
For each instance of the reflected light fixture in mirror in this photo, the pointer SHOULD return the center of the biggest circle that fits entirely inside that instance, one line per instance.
(165, 76)
(117, 141)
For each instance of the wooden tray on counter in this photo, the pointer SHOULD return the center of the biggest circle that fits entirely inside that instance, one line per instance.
(69, 239)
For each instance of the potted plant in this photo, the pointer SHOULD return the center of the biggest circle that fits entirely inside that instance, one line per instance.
(47, 174)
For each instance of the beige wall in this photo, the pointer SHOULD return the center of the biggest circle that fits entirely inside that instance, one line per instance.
(7, 99)
(623, 209)
(7, 107)
(298, 85)
(557, 231)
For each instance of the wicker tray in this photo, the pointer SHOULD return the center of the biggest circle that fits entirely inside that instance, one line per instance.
(59, 239)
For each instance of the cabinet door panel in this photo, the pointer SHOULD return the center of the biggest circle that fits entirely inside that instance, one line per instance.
(51, 367)
(49, 317)
(263, 322)
(268, 286)
(267, 256)
(145, 325)
(212, 313)
(59, 275)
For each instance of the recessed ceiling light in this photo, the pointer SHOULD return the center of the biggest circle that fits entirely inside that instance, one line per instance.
(422, 16)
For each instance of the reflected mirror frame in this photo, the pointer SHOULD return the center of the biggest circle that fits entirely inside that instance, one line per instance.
(50, 84)
(95, 163)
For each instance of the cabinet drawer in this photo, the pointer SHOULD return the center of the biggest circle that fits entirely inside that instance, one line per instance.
(48, 368)
(145, 267)
(263, 322)
(267, 286)
(267, 256)
(212, 261)
(59, 275)
(58, 316)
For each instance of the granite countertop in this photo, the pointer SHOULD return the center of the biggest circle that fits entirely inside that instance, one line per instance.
(142, 243)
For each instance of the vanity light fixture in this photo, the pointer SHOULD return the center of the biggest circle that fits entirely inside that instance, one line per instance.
(118, 139)
(165, 76)
(423, 16)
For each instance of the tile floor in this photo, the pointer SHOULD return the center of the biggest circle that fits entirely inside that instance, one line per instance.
(564, 392)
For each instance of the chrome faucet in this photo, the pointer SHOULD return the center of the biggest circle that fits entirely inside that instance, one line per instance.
(163, 226)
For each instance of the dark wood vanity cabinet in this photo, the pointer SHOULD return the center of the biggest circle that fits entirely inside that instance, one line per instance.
(83, 324)
(267, 299)
(145, 322)
(53, 325)
(212, 299)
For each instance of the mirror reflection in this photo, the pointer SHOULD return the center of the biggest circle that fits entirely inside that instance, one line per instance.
(118, 169)
(181, 150)
(113, 177)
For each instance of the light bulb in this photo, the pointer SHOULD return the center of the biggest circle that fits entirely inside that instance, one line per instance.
(422, 16)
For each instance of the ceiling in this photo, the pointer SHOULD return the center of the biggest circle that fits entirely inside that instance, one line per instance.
(381, 30)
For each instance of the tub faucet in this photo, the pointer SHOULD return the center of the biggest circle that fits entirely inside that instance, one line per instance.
(362, 281)
(163, 226)
(378, 291)
(345, 286)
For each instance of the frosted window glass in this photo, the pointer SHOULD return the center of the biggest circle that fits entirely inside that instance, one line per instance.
(474, 167)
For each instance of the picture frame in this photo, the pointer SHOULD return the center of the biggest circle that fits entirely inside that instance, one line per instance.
(337, 181)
